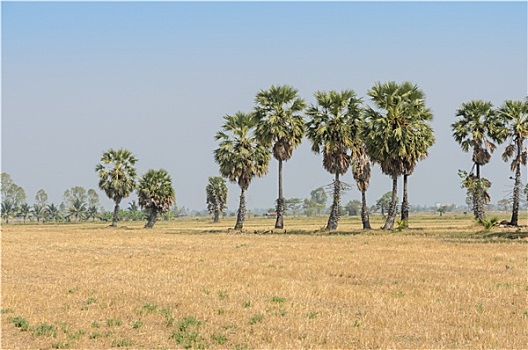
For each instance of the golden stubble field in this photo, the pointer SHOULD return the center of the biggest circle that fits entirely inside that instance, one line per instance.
(190, 284)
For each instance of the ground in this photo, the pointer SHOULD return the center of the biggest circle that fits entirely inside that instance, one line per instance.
(189, 283)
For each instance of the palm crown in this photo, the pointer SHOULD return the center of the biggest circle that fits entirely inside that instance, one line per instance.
(155, 191)
(117, 175)
(514, 115)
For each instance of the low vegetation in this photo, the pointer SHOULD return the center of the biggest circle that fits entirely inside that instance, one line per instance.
(443, 283)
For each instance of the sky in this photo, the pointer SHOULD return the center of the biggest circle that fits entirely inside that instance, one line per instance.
(79, 78)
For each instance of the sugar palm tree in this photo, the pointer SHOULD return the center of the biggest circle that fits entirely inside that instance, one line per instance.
(390, 132)
(216, 192)
(240, 156)
(361, 166)
(117, 176)
(478, 129)
(155, 194)
(333, 129)
(514, 115)
(281, 126)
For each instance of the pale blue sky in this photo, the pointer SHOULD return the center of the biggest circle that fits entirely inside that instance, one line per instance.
(156, 78)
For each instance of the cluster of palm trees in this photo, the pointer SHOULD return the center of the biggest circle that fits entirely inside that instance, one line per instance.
(480, 128)
(394, 132)
(118, 179)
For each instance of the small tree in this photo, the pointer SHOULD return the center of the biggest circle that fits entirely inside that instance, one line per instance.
(24, 211)
(216, 193)
(155, 194)
(384, 202)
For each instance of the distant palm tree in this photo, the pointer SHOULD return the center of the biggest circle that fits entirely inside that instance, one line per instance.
(240, 156)
(91, 212)
(52, 212)
(8, 210)
(478, 129)
(333, 129)
(216, 192)
(281, 126)
(393, 133)
(38, 211)
(117, 176)
(24, 211)
(77, 210)
(361, 171)
(514, 115)
(155, 194)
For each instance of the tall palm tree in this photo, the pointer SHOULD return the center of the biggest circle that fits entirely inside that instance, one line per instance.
(514, 115)
(240, 156)
(281, 126)
(361, 171)
(155, 194)
(117, 176)
(478, 129)
(390, 132)
(421, 139)
(333, 128)
(216, 192)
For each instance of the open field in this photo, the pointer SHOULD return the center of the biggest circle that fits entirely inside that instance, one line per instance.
(189, 284)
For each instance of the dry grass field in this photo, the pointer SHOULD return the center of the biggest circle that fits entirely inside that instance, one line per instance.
(190, 284)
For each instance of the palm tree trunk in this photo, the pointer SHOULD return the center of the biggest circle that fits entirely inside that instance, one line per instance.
(478, 209)
(405, 203)
(279, 223)
(333, 220)
(391, 216)
(517, 188)
(364, 211)
(115, 219)
(153, 217)
(241, 210)
(216, 216)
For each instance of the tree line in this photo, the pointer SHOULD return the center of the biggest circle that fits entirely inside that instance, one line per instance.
(392, 131)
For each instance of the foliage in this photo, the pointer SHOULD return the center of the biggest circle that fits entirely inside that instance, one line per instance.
(216, 196)
(155, 194)
(240, 156)
(316, 205)
(24, 211)
(384, 202)
(117, 176)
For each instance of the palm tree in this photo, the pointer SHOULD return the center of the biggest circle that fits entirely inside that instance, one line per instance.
(133, 209)
(38, 211)
(155, 194)
(333, 129)
(91, 212)
(361, 171)
(117, 176)
(52, 212)
(393, 130)
(24, 211)
(77, 210)
(514, 115)
(240, 156)
(8, 210)
(216, 192)
(477, 129)
(281, 126)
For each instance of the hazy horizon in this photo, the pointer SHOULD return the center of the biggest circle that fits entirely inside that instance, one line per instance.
(157, 78)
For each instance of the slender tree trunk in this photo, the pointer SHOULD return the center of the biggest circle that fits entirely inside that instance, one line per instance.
(391, 215)
(216, 216)
(478, 205)
(517, 188)
(405, 203)
(241, 210)
(333, 220)
(364, 211)
(115, 219)
(153, 217)
(279, 223)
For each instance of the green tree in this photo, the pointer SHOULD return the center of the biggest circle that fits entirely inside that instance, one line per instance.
(134, 211)
(74, 194)
(505, 204)
(155, 194)
(281, 126)
(117, 176)
(11, 192)
(8, 210)
(332, 129)
(39, 207)
(384, 203)
(394, 133)
(478, 129)
(77, 210)
(361, 171)
(41, 197)
(24, 211)
(52, 212)
(353, 207)
(293, 205)
(216, 196)
(514, 116)
(240, 156)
